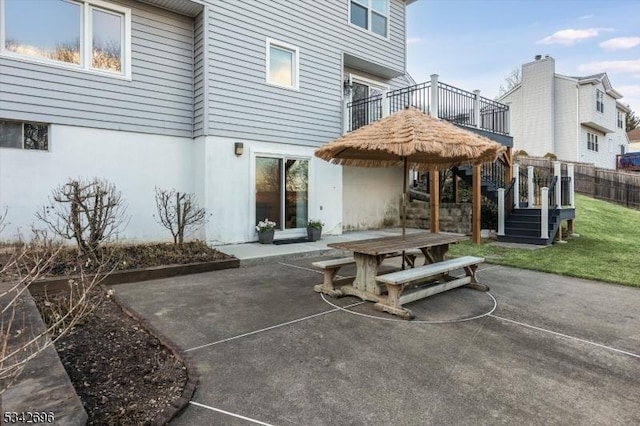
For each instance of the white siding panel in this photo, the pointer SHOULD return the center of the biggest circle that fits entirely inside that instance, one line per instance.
(566, 119)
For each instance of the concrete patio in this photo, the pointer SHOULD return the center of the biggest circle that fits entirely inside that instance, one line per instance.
(537, 349)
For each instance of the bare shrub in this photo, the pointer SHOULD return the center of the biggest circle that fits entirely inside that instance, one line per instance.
(3, 219)
(178, 212)
(20, 339)
(87, 211)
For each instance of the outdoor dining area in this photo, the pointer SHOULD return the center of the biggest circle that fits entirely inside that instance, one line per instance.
(414, 141)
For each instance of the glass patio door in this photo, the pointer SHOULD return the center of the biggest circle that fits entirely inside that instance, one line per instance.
(282, 188)
(366, 104)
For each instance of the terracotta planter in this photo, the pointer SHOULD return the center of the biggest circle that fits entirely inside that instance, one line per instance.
(314, 234)
(266, 237)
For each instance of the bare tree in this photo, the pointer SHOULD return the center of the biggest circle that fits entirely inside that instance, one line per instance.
(632, 121)
(3, 218)
(87, 211)
(178, 212)
(20, 339)
(511, 80)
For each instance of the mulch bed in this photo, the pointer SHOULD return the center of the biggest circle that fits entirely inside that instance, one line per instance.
(123, 373)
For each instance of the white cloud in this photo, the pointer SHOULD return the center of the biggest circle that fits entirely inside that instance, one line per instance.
(611, 66)
(629, 90)
(571, 36)
(583, 17)
(414, 40)
(620, 43)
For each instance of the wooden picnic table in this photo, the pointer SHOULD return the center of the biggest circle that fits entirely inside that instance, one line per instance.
(370, 253)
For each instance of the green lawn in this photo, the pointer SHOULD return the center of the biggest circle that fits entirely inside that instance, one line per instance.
(608, 248)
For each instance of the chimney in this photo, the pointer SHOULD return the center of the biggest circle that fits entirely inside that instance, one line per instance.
(538, 57)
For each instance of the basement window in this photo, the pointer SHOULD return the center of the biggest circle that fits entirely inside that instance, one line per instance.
(24, 135)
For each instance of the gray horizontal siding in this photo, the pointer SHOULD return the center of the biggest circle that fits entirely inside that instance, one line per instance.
(159, 99)
(243, 105)
(199, 80)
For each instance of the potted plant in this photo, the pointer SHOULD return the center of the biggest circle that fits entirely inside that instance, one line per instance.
(266, 229)
(314, 229)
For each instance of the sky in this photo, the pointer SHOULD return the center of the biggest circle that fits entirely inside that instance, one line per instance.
(475, 44)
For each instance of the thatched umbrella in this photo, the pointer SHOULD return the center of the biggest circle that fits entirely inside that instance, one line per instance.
(413, 140)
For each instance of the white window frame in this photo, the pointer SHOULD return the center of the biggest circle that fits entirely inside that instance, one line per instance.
(599, 101)
(22, 147)
(85, 40)
(621, 119)
(282, 154)
(295, 66)
(369, 12)
(592, 142)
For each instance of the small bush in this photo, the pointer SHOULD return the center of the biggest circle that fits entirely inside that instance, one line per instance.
(178, 212)
(87, 211)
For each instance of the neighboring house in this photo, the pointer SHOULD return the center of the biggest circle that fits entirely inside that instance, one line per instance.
(225, 99)
(634, 140)
(576, 118)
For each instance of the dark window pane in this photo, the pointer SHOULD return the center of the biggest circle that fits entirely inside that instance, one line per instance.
(379, 24)
(10, 134)
(359, 15)
(296, 180)
(36, 136)
(269, 190)
(45, 29)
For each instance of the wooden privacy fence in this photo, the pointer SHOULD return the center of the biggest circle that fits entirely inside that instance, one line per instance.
(610, 185)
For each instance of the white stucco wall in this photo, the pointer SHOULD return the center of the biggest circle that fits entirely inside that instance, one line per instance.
(371, 195)
(134, 162)
(229, 188)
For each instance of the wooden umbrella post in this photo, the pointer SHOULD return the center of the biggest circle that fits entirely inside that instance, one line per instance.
(404, 198)
(434, 200)
(476, 205)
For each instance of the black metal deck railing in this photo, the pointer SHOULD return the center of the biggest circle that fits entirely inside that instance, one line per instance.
(453, 104)
(456, 105)
(418, 96)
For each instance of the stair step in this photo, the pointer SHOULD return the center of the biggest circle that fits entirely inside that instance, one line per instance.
(524, 224)
(521, 232)
(525, 240)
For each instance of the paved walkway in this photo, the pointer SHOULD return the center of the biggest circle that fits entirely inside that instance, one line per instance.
(537, 349)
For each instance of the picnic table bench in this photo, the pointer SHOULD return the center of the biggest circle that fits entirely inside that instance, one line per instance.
(387, 290)
(397, 282)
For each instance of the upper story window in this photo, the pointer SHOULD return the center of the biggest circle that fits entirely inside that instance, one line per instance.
(282, 64)
(22, 135)
(372, 15)
(599, 100)
(89, 35)
(620, 119)
(592, 142)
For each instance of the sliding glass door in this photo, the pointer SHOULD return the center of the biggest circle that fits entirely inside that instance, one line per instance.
(282, 188)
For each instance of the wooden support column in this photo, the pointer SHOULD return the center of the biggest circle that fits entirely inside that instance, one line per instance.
(434, 197)
(570, 226)
(456, 198)
(477, 202)
(508, 159)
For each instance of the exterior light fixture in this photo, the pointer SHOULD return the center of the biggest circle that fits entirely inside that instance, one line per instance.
(238, 148)
(347, 86)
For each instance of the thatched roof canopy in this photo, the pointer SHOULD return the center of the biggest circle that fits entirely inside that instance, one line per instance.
(426, 142)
